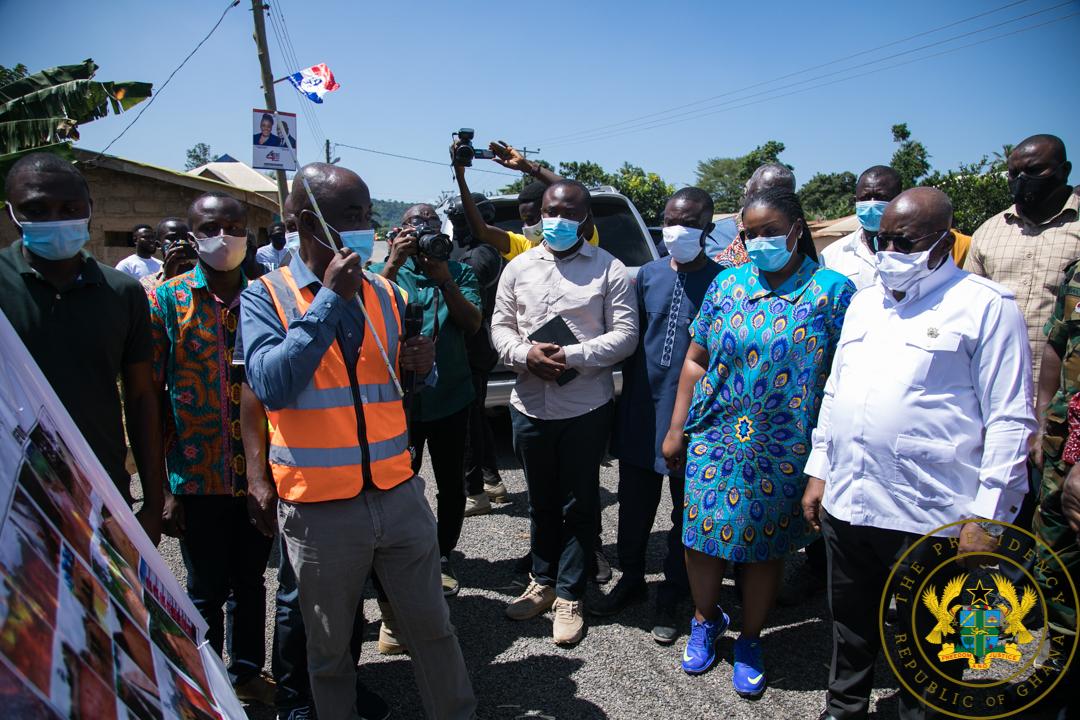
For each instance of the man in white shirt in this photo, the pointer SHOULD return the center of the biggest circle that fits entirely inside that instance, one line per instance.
(273, 255)
(561, 430)
(143, 262)
(925, 421)
(853, 255)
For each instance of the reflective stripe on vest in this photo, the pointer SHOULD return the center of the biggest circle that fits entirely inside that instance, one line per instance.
(315, 449)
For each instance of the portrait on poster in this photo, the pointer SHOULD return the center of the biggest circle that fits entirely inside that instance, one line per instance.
(273, 140)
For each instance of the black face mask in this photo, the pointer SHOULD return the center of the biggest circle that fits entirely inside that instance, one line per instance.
(1031, 190)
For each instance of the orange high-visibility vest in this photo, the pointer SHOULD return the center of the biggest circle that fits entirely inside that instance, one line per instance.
(338, 431)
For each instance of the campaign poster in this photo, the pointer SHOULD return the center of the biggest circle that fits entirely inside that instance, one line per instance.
(273, 141)
(92, 622)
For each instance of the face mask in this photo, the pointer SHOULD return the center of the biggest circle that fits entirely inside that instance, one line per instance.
(55, 240)
(683, 243)
(559, 233)
(769, 253)
(534, 233)
(1030, 191)
(900, 272)
(869, 213)
(361, 242)
(292, 242)
(222, 252)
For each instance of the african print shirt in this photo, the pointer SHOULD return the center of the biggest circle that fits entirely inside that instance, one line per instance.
(734, 255)
(194, 336)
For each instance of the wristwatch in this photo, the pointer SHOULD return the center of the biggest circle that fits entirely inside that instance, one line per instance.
(993, 529)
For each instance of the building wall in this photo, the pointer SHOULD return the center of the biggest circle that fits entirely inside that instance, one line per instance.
(123, 200)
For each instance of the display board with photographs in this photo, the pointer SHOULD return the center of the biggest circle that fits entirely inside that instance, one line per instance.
(92, 623)
(273, 142)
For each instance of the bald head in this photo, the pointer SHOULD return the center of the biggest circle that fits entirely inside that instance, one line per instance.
(879, 182)
(42, 187)
(1049, 146)
(921, 210)
(328, 183)
(768, 176)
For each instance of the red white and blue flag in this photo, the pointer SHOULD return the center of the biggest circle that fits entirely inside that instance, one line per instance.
(314, 82)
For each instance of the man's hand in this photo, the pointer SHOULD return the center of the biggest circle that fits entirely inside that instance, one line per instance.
(1070, 499)
(150, 519)
(176, 256)
(510, 158)
(172, 517)
(811, 502)
(418, 355)
(344, 274)
(1035, 448)
(674, 449)
(973, 539)
(436, 270)
(403, 247)
(541, 361)
(262, 500)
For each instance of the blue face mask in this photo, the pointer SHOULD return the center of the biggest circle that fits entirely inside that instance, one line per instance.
(769, 253)
(292, 242)
(560, 234)
(56, 240)
(869, 213)
(361, 242)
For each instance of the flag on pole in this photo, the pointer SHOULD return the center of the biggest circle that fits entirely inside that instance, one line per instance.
(314, 82)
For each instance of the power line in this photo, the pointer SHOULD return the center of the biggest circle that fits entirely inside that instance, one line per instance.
(313, 108)
(423, 160)
(154, 96)
(317, 136)
(578, 133)
(730, 108)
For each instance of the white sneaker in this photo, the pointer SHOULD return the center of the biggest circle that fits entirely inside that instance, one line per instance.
(535, 600)
(478, 504)
(569, 622)
(389, 642)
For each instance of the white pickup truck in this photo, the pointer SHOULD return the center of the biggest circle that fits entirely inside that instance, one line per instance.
(622, 233)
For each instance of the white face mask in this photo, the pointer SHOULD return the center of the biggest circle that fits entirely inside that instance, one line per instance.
(534, 233)
(222, 252)
(683, 243)
(900, 272)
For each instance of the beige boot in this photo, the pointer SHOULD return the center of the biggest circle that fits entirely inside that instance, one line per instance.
(569, 622)
(497, 493)
(478, 504)
(535, 600)
(389, 642)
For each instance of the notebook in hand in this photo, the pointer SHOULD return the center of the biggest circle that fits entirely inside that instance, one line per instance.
(556, 331)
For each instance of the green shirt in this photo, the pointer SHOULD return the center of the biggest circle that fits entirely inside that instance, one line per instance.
(454, 389)
(82, 336)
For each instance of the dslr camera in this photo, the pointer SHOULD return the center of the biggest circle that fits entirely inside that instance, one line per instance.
(431, 243)
(464, 152)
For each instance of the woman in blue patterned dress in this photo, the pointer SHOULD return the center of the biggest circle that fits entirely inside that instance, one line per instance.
(748, 398)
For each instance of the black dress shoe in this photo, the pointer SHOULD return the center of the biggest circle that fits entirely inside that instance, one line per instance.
(665, 628)
(601, 567)
(369, 704)
(625, 593)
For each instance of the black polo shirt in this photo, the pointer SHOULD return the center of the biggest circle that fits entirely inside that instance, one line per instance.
(81, 336)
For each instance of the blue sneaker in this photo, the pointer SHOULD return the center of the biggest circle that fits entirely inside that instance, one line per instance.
(749, 675)
(700, 652)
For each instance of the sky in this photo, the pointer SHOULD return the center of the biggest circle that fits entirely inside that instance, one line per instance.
(580, 80)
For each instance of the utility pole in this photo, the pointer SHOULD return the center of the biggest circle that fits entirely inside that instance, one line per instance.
(526, 152)
(257, 8)
(327, 151)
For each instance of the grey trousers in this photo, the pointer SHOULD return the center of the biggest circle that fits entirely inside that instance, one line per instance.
(333, 546)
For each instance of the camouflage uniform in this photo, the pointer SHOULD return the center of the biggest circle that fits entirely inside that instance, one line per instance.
(1063, 335)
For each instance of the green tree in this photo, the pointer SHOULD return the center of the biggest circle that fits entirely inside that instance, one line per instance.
(198, 155)
(725, 178)
(911, 159)
(519, 184)
(978, 191)
(828, 195)
(647, 191)
(47, 107)
(586, 172)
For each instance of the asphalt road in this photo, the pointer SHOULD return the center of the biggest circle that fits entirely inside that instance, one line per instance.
(617, 671)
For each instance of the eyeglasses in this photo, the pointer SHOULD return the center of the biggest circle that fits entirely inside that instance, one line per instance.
(905, 244)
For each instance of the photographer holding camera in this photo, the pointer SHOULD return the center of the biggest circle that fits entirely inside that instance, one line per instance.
(448, 291)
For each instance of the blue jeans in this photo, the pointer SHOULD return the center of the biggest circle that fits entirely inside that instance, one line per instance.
(561, 460)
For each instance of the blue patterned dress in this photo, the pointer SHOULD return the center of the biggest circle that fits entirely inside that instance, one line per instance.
(770, 352)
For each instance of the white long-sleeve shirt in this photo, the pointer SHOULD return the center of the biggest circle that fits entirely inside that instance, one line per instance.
(851, 257)
(591, 290)
(927, 413)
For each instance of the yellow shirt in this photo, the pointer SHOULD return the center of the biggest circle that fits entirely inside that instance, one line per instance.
(960, 248)
(519, 243)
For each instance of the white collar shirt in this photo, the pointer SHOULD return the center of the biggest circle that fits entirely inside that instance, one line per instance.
(927, 411)
(851, 257)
